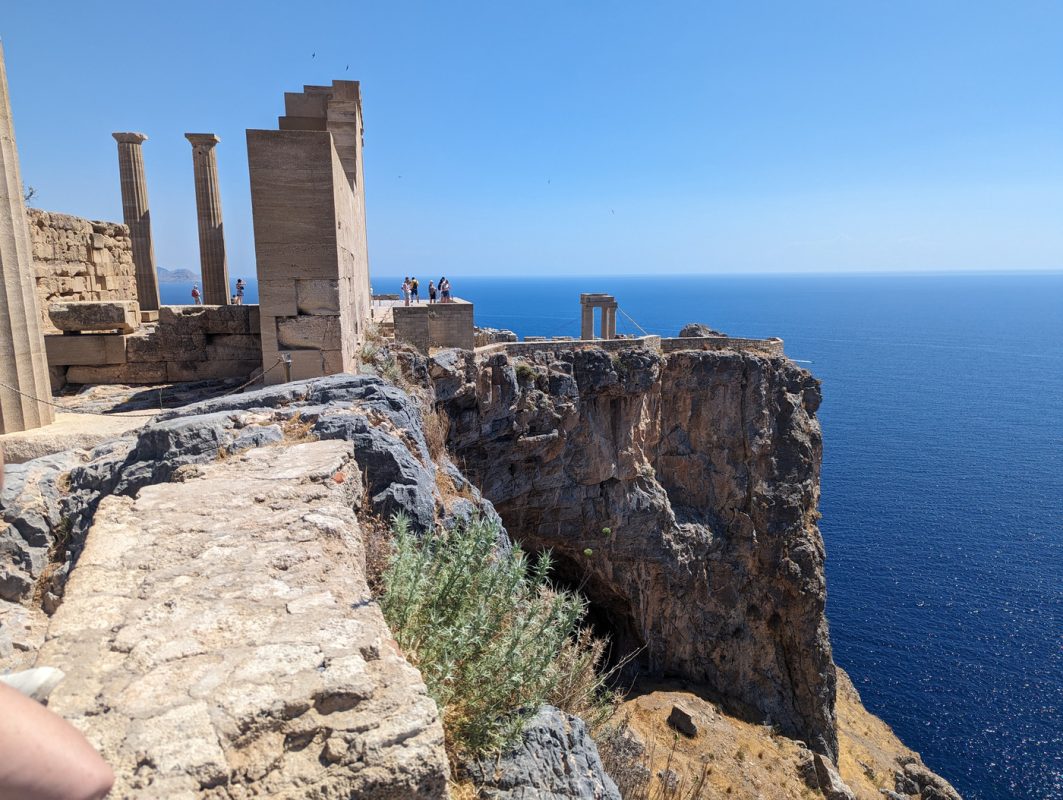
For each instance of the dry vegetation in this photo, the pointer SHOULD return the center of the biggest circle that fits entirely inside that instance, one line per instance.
(733, 758)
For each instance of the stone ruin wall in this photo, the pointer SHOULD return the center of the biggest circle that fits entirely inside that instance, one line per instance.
(308, 204)
(77, 259)
(188, 343)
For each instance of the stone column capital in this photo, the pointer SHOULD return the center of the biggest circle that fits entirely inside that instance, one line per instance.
(207, 139)
(129, 137)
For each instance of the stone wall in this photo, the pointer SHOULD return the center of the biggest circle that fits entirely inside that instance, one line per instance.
(188, 343)
(768, 347)
(76, 259)
(435, 325)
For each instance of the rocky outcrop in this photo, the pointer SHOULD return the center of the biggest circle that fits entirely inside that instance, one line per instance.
(696, 329)
(219, 639)
(207, 587)
(485, 336)
(679, 493)
(555, 759)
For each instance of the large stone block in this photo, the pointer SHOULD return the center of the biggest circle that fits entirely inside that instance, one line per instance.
(240, 347)
(90, 349)
(318, 297)
(309, 332)
(111, 315)
(277, 298)
(119, 373)
(307, 364)
(228, 319)
(208, 370)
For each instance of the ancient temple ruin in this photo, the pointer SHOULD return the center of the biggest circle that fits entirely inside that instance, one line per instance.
(588, 303)
(23, 369)
(308, 204)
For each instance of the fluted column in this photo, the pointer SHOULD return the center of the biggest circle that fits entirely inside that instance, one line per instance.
(138, 217)
(23, 363)
(208, 212)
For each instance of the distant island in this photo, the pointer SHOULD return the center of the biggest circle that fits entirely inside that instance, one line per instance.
(177, 275)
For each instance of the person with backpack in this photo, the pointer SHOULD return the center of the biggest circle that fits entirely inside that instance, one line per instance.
(197, 298)
(413, 290)
(444, 289)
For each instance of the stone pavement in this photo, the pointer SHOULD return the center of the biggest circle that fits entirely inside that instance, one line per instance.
(220, 641)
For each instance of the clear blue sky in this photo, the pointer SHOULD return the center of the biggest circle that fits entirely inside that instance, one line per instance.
(578, 137)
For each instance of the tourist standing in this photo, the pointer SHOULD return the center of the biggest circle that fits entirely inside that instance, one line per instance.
(406, 290)
(240, 291)
(444, 289)
(413, 289)
(431, 292)
(197, 298)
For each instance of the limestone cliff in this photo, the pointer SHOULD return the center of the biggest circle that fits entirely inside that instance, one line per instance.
(679, 492)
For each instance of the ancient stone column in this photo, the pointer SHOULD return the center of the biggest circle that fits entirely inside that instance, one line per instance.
(586, 328)
(208, 211)
(138, 217)
(23, 362)
(608, 322)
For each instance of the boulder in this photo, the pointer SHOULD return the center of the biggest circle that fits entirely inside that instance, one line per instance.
(683, 721)
(696, 329)
(830, 782)
(556, 759)
(109, 315)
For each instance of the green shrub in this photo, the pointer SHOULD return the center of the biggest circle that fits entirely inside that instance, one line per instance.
(485, 629)
(525, 373)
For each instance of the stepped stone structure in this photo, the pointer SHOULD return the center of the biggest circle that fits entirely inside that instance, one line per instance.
(607, 303)
(23, 367)
(208, 212)
(137, 216)
(308, 204)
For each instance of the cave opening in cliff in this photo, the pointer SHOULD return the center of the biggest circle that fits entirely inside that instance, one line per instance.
(609, 615)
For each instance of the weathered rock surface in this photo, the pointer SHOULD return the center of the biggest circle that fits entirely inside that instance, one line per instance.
(556, 759)
(219, 640)
(696, 329)
(67, 432)
(48, 502)
(486, 336)
(679, 492)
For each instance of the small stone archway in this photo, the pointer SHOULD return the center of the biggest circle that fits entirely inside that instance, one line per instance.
(607, 303)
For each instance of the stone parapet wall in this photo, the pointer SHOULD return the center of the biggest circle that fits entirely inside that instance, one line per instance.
(768, 347)
(562, 345)
(77, 259)
(188, 343)
(426, 326)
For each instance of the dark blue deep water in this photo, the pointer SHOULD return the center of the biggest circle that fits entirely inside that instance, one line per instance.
(942, 487)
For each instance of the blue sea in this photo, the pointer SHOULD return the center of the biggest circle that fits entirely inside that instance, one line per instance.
(942, 486)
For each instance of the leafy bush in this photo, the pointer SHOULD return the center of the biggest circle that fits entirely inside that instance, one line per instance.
(489, 634)
(526, 373)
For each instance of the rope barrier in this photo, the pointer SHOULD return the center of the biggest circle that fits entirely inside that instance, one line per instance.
(644, 332)
(68, 410)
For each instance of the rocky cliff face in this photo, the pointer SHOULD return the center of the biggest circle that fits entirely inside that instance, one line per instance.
(680, 493)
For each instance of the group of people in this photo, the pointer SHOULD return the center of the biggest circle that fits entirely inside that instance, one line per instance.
(236, 300)
(411, 290)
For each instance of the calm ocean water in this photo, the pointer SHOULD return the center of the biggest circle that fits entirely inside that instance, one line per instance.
(942, 486)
